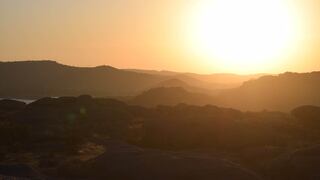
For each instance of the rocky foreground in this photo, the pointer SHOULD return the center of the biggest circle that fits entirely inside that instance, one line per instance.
(89, 138)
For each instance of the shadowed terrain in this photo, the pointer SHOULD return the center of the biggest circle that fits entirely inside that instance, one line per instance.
(94, 138)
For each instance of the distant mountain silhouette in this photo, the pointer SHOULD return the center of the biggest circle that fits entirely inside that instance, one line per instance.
(171, 96)
(49, 78)
(35, 79)
(282, 92)
(206, 81)
(224, 80)
(195, 80)
(173, 83)
(225, 77)
(154, 72)
(182, 84)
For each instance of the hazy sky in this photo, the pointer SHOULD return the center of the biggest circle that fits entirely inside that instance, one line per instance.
(148, 34)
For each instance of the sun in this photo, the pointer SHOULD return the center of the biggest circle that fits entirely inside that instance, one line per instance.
(242, 35)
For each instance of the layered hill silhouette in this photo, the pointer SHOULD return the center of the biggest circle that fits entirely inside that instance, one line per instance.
(207, 81)
(48, 78)
(36, 79)
(282, 92)
(171, 96)
(173, 125)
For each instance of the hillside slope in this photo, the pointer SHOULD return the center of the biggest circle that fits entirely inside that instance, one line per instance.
(170, 96)
(49, 78)
(283, 92)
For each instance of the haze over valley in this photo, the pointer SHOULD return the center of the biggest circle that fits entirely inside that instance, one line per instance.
(159, 90)
(38, 79)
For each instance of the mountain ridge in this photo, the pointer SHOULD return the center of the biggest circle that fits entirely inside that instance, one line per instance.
(36, 79)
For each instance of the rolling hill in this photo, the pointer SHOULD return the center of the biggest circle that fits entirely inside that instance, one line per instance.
(170, 96)
(281, 92)
(35, 79)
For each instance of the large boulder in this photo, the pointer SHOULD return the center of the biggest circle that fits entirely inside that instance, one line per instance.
(122, 161)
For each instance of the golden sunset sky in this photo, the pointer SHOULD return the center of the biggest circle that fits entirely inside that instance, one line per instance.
(238, 36)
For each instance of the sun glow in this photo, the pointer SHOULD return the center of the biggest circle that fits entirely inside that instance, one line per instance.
(249, 35)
